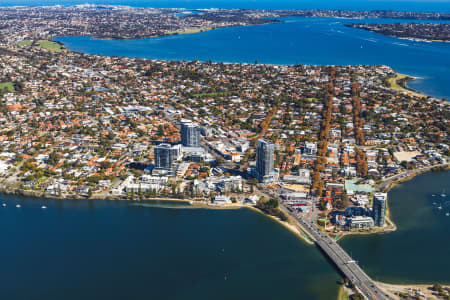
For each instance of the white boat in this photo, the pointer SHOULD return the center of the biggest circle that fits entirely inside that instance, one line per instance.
(4, 204)
(439, 207)
(18, 205)
(447, 214)
(43, 207)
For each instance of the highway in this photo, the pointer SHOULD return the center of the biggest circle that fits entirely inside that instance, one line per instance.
(341, 259)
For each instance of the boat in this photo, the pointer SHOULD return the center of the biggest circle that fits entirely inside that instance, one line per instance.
(18, 205)
(439, 207)
(43, 207)
(4, 205)
(447, 214)
(443, 195)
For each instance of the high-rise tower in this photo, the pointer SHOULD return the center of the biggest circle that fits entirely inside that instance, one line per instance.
(190, 134)
(163, 157)
(379, 208)
(264, 156)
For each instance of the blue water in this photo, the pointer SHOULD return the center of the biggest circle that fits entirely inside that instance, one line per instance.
(415, 5)
(105, 250)
(419, 250)
(297, 40)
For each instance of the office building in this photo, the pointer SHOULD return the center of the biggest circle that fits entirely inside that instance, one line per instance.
(379, 208)
(190, 134)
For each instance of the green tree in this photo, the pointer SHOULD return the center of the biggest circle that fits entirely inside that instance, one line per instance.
(357, 296)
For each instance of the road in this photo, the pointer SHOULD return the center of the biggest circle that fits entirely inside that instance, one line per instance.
(341, 259)
(405, 174)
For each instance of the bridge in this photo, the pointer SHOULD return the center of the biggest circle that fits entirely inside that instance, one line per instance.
(342, 260)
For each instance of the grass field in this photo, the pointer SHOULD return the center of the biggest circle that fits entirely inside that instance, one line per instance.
(52, 46)
(49, 45)
(8, 85)
(25, 43)
(394, 84)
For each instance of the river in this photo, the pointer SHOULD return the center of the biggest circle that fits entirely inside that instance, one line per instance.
(105, 250)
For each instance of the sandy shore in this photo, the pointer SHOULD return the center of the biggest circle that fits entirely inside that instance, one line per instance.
(424, 291)
(294, 227)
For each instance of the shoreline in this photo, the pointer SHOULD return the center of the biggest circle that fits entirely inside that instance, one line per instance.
(292, 225)
(390, 184)
(191, 204)
(411, 289)
(399, 83)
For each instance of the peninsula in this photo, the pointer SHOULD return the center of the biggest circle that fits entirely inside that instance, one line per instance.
(415, 31)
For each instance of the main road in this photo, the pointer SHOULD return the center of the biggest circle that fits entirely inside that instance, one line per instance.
(341, 259)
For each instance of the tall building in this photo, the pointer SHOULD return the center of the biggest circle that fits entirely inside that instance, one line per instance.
(177, 154)
(379, 208)
(190, 134)
(164, 157)
(264, 159)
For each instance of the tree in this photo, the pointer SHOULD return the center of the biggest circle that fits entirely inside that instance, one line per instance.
(437, 287)
(160, 131)
(322, 205)
(270, 207)
(219, 161)
(357, 296)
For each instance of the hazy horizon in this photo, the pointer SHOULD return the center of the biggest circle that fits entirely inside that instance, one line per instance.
(416, 5)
